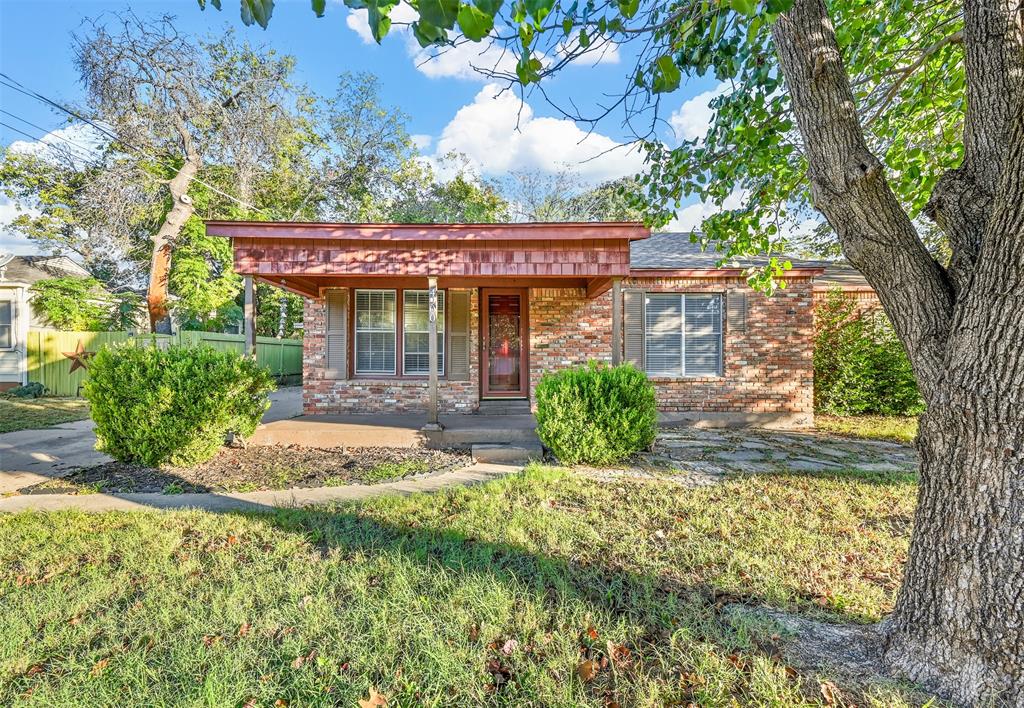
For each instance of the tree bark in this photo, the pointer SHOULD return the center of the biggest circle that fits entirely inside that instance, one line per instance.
(958, 625)
(160, 260)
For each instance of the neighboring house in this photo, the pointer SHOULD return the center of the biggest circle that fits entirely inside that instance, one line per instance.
(517, 300)
(17, 274)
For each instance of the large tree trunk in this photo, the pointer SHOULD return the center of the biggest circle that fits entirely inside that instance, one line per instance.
(160, 260)
(958, 626)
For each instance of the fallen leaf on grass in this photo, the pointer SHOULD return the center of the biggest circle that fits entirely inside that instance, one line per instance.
(244, 629)
(587, 670)
(510, 646)
(592, 633)
(99, 666)
(34, 669)
(830, 693)
(374, 699)
(281, 703)
(619, 655)
(250, 702)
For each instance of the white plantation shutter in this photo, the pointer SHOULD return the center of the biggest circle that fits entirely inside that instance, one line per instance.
(703, 335)
(336, 344)
(664, 334)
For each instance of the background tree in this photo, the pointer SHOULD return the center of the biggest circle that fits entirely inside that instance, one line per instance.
(565, 196)
(83, 304)
(873, 114)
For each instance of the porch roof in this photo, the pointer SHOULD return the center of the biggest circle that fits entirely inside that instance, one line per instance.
(306, 257)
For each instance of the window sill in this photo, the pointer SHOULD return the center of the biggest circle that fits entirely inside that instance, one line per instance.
(687, 379)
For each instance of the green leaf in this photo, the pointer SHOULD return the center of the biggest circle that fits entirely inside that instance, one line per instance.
(475, 23)
(584, 39)
(319, 7)
(628, 8)
(439, 13)
(567, 26)
(666, 75)
(426, 34)
(744, 7)
(538, 9)
(258, 11)
(528, 69)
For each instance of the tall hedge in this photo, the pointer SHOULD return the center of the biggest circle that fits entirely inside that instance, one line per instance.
(596, 414)
(175, 405)
(860, 365)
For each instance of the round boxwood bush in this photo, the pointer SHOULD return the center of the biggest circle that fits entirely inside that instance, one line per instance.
(176, 405)
(596, 414)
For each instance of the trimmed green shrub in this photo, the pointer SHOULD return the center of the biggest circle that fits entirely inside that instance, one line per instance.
(154, 406)
(860, 365)
(596, 414)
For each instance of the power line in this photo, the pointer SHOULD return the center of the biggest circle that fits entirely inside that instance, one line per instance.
(88, 150)
(39, 97)
(43, 141)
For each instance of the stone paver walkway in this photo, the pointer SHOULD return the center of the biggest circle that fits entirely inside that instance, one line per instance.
(697, 457)
(254, 501)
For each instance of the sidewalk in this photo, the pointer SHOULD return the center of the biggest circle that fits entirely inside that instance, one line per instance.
(253, 501)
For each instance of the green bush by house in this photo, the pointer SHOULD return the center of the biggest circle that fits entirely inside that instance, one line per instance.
(860, 366)
(174, 405)
(596, 414)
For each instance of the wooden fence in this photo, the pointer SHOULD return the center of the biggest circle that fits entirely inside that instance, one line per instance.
(49, 364)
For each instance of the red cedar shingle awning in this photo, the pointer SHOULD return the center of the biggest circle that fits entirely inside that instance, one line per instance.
(305, 257)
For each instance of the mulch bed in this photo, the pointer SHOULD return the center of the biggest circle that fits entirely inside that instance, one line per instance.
(263, 467)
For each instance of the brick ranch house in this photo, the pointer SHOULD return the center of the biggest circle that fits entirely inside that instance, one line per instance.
(514, 301)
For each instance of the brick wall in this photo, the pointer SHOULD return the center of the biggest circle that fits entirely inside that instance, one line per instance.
(567, 329)
(767, 370)
(321, 395)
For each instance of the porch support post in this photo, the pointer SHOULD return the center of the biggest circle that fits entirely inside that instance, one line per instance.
(249, 317)
(616, 321)
(432, 421)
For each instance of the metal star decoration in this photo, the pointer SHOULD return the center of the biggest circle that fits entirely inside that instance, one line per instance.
(79, 358)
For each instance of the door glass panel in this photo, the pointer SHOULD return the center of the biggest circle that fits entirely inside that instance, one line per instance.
(504, 347)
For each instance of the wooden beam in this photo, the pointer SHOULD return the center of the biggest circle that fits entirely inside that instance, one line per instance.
(249, 313)
(298, 286)
(432, 421)
(598, 286)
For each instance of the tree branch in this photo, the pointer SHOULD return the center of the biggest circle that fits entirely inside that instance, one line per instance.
(849, 187)
(994, 62)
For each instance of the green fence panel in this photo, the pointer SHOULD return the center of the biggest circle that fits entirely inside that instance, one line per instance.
(51, 353)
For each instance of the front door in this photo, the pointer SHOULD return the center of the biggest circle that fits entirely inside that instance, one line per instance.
(503, 337)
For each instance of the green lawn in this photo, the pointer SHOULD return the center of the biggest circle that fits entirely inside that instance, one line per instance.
(28, 414)
(875, 427)
(514, 593)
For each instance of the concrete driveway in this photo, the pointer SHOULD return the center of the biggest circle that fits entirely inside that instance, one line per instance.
(31, 456)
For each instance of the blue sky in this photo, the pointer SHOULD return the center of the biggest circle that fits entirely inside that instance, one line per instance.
(450, 107)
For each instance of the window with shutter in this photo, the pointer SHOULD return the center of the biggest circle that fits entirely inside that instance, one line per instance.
(376, 320)
(336, 343)
(416, 331)
(458, 335)
(702, 335)
(683, 334)
(664, 321)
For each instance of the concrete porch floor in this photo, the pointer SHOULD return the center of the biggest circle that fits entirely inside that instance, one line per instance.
(395, 430)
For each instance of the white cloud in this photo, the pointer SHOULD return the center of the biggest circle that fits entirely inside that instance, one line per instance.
(498, 134)
(457, 62)
(692, 119)
(600, 52)
(81, 141)
(422, 142)
(689, 218)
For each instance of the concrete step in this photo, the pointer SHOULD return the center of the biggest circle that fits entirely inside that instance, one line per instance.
(504, 407)
(506, 453)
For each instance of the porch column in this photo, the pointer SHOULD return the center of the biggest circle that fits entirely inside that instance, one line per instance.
(249, 317)
(616, 321)
(432, 421)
